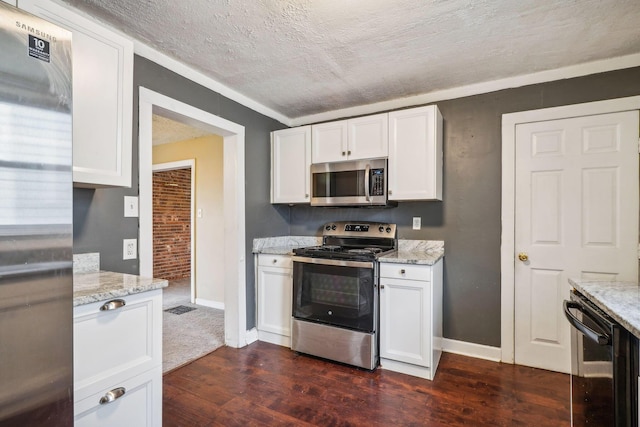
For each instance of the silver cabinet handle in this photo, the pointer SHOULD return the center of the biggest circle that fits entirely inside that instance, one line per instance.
(344, 153)
(113, 304)
(275, 260)
(390, 192)
(306, 196)
(381, 286)
(402, 271)
(112, 395)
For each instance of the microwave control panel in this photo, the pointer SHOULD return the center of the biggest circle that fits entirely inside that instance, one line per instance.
(377, 182)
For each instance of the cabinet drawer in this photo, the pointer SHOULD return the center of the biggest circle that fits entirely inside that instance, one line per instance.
(139, 406)
(405, 271)
(282, 261)
(122, 341)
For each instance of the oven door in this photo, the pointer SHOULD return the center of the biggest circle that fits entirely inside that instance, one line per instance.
(335, 292)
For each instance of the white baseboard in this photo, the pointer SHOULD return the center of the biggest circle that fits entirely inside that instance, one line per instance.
(470, 349)
(212, 304)
(251, 336)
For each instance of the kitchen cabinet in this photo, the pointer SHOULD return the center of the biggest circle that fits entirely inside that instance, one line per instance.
(102, 97)
(354, 139)
(11, 2)
(415, 154)
(117, 355)
(411, 318)
(290, 163)
(274, 287)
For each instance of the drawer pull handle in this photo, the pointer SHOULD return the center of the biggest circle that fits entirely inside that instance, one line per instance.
(113, 304)
(402, 271)
(275, 261)
(112, 395)
(381, 286)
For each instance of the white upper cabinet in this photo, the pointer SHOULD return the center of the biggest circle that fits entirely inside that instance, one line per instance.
(353, 139)
(11, 2)
(415, 154)
(102, 97)
(290, 163)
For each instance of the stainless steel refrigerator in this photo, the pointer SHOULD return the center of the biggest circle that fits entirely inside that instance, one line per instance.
(36, 280)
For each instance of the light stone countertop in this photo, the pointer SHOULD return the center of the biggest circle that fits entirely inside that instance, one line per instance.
(620, 300)
(283, 245)
(103, 285)
(422, 252)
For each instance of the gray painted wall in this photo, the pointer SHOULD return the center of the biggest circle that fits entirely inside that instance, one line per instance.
(468, 218)
(99, 225)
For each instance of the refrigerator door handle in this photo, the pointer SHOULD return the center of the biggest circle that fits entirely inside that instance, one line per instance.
(113, 305)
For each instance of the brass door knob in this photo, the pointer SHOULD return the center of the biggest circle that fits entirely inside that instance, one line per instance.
(522, 256)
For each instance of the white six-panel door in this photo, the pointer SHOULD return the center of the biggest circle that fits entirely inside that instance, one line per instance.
(576, 211)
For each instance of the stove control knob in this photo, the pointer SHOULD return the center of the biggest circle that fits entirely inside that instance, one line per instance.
(381, 229)
(333, 227)
(388, 229)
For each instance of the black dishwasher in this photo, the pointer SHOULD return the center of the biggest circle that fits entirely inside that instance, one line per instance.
(604, 367)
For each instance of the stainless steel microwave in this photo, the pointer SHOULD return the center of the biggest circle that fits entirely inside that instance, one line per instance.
(355, 183)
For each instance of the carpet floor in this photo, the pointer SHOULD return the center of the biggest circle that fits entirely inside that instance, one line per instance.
(189, 331)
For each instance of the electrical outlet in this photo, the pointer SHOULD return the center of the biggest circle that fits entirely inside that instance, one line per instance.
(417, 222)
(129, 248)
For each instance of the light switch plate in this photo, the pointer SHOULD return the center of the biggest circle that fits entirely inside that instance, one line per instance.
(417, 222)
(130, 206)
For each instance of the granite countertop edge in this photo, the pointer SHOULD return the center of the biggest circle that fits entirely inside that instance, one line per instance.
(620, 300)
(412, 257)
(90, 287)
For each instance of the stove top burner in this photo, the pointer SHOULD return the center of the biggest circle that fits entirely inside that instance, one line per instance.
(353, 241)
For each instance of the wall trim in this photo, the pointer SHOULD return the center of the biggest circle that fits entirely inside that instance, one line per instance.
(169, 63)
(233, 134)
(479, 351)
(184, 164)
(252, 336)
(209, 303)
(507, 247)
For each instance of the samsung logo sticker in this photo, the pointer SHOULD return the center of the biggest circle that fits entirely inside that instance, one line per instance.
(36, 32)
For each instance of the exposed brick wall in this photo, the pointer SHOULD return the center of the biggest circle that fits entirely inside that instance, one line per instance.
(172, 224)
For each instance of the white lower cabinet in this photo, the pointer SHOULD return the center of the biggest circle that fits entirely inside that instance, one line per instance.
(411, 318)
(274, 287)
(117, 353)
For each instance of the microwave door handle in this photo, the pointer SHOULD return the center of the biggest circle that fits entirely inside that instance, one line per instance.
(367, 171)
(594, 336)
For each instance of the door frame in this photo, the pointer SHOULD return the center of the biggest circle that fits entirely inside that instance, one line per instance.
(507, 247)
(185, 164)
(233, 134)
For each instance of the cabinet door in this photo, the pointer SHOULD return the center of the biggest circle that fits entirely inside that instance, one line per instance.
(274, 300)
(329, 142)
(139, 406)
(415, 154)
(290, 163)
(102, 97)
(11, 2)
(368, 137)
(122, 342)
(405, 321)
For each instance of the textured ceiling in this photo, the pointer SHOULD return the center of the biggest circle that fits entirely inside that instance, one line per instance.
(304, 57)
(166, 131)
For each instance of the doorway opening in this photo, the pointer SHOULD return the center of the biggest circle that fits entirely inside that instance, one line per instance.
(233, 223)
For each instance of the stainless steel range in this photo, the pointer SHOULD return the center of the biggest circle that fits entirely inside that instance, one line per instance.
(335, 293)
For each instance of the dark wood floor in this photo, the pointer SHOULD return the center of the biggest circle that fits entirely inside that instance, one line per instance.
(265, 384)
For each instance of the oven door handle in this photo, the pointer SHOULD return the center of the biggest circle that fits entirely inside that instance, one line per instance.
(336, 262)
(600, 338)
